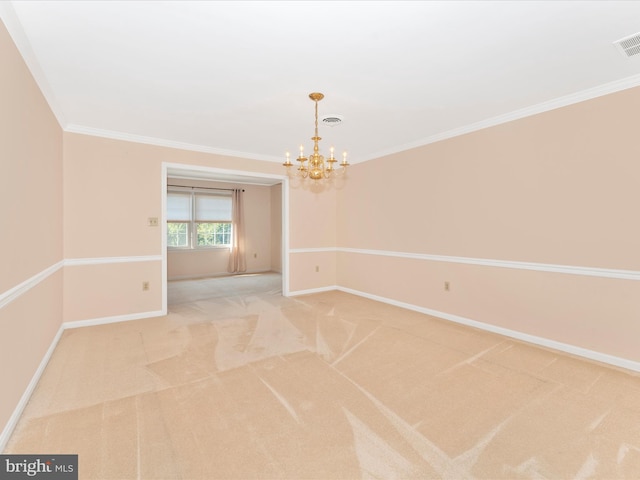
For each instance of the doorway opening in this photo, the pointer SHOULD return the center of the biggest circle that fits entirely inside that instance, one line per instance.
(193, 270)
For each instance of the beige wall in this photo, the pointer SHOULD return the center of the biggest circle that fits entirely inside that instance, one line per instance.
(556, 188)
(258, 220)
(312, 230)
(313, 216)
(112, 187)
(31, 219)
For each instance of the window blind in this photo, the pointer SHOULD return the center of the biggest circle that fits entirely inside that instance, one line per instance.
(212, 208)
(178, 207)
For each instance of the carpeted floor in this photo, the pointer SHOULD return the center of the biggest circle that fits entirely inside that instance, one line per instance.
(240, 382)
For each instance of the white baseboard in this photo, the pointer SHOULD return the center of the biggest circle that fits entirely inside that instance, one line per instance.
(313, 290)
(217, 275)
(115, 319)
(544, 342)
(541, 341)
(17, 412)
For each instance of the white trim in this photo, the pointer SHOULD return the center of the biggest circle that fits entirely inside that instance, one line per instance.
(17, 33)
(26, 395)
(540, 267)
(212, 248)
(162, 142)
(218, 275)
(73, 262)
(16, 291)
(313, 290)
(163, 236)
(115, 319)
(285, 238)
(314, 250)
(584, 95)
(212, 191)
(544, 342)
(259, 182)
(211, 173)
(13, 293)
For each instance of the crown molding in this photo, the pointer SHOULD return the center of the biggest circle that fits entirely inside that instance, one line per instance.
(160, 142)
(11, 20)
(571, 99)
(14, 27)
(584, 95)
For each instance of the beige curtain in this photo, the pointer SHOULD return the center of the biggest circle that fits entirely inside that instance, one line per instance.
(237, 261)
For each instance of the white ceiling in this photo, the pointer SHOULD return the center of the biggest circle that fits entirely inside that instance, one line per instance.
(234, 77)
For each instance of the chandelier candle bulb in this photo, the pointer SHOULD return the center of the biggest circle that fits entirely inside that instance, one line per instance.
(318, 167)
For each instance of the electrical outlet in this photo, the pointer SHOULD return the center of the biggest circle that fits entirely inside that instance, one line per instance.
(317, 268)
(152, 221)
(145, 286)
(446, 286)
(255, 255)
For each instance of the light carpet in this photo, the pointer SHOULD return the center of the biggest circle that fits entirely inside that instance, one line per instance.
(240, 382)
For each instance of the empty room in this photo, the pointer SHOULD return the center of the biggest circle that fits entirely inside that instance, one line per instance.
(319, 240)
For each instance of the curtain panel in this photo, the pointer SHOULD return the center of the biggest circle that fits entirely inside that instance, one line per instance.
(237, 260)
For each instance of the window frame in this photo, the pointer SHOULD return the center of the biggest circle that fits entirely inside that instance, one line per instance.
(197, 234)
(188, 235)
(192, 223)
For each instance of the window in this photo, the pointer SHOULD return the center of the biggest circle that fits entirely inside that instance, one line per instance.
(177, 234)
(213, 234)
(179, 219)
(198, 218)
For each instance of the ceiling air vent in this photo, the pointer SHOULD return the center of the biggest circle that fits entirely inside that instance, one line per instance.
(629, 46)
(332, 120)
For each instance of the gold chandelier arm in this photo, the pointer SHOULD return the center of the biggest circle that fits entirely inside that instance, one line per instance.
(318, 167)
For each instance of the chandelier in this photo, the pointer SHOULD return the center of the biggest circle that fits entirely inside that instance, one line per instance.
(316, 166)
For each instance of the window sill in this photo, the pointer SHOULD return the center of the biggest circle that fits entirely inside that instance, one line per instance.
(194, 250)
